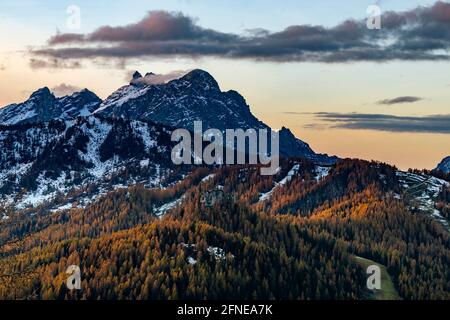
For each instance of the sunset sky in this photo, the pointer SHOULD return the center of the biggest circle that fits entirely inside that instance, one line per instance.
(344, 89)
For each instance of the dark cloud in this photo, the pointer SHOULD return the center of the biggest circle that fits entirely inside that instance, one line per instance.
(419, 34)
(53, 63)
(65, 38)
(158, 26)
(384, 122)
(64, 89)
(400, 100)
(295, 113)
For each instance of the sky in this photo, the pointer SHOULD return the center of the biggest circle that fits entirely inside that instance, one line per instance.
(296, 63)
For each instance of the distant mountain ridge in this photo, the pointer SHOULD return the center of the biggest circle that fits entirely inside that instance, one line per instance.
(43, 106)
(444, 165)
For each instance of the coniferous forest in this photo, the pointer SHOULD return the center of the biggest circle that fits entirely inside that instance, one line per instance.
(223, 242)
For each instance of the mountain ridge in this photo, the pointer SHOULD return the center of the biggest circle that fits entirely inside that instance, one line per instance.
(444, 165)
(196, 96)
(43, 106)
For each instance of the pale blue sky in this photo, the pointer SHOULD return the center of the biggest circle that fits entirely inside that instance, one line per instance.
(224, 15)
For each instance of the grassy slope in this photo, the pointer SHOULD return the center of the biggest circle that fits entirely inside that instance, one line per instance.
(388, 291)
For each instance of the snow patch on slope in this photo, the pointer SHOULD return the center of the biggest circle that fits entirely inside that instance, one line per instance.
(208, 177)
(142, 129)
(423, 190)
(123, 95)
(289, 176)
(161, 211)
(322, 172)
(97, 132)
(47, 190)
(20, 115)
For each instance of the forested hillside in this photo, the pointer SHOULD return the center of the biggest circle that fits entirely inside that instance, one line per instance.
(231, 233)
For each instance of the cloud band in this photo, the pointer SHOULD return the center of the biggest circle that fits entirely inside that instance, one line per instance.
(419, 34)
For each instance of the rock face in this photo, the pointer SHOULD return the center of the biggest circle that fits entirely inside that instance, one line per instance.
(444, 166)
(41, 161)
(43, 106)
(196, 97)
(179, 103)
(290, 146)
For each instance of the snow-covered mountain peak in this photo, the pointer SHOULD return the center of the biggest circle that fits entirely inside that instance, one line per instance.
(201, 79)
(43, 106)
(180, 102)
(196, 97)
(42, 93)
(444, 166)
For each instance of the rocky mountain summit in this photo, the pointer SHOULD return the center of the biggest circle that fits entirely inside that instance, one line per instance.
(43, 106)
